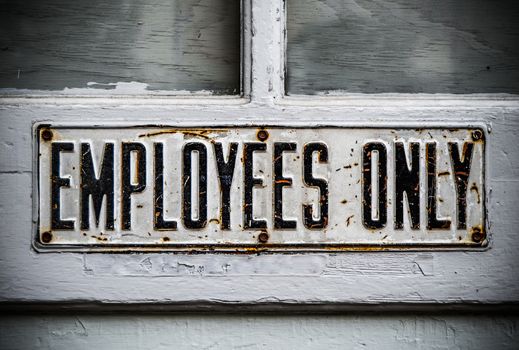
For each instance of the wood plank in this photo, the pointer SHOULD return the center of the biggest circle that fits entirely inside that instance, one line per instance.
(169, 45)
(455, 46)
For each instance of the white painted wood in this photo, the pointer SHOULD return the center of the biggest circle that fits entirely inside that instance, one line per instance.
(266, 51)
(488, 276)
(405, 331)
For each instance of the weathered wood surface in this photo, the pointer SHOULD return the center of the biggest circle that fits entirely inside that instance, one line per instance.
(169, 45)
(316, 281)
(433, 277)
(403, 331)
(443, 277)
(452, 46)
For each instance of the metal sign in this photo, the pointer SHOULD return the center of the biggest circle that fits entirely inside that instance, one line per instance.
(267, 188)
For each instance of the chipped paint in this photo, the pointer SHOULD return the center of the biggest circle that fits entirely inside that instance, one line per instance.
(327, 281)
(137, 230)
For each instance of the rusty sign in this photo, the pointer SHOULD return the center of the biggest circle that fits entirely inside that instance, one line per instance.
(258, 188)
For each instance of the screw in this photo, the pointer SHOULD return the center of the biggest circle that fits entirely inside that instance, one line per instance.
(477, 135)
(477, 235)
(46, 135)
(262, 135)
(46, 237)
(263, 237)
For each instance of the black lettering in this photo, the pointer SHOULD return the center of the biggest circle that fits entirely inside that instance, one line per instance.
(249, 182)
(225, 175)
(407, 180)
(368, 190)
(187, 181)
(128, 188)
(432, 215)
(311, 181)
(159, 222)
(56, 183)
(279, 183)
(97, 187)
(461, 174)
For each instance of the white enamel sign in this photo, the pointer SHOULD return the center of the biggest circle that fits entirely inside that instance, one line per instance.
(258, 188)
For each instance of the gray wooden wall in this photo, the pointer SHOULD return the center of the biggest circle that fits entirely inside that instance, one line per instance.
(170, 45)
(403, 331)
(384, 46)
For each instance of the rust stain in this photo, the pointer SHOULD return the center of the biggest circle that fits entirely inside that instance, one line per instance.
(348, 220)
(263, 237)
(47, 135)
(462, 173)
(475, 189)
(477, 135)
(478, 234)
(46, 237)
(190, 132)
(251, 250)
(197, 134)
(282, 181)
(262, 135)
(363, 248)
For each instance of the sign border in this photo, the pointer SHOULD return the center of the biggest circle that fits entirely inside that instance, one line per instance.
(257, 248)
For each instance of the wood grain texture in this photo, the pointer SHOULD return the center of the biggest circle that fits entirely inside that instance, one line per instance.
(459, 277)
(451, 46)
(254, 282)
(169, 45)
(364, 278)
(403, 331)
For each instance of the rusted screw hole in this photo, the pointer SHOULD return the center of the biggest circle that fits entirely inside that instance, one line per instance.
(263, 135)
(46, 237)
(477, 235)
(46, 135)
(263, 237)
(477, 135)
